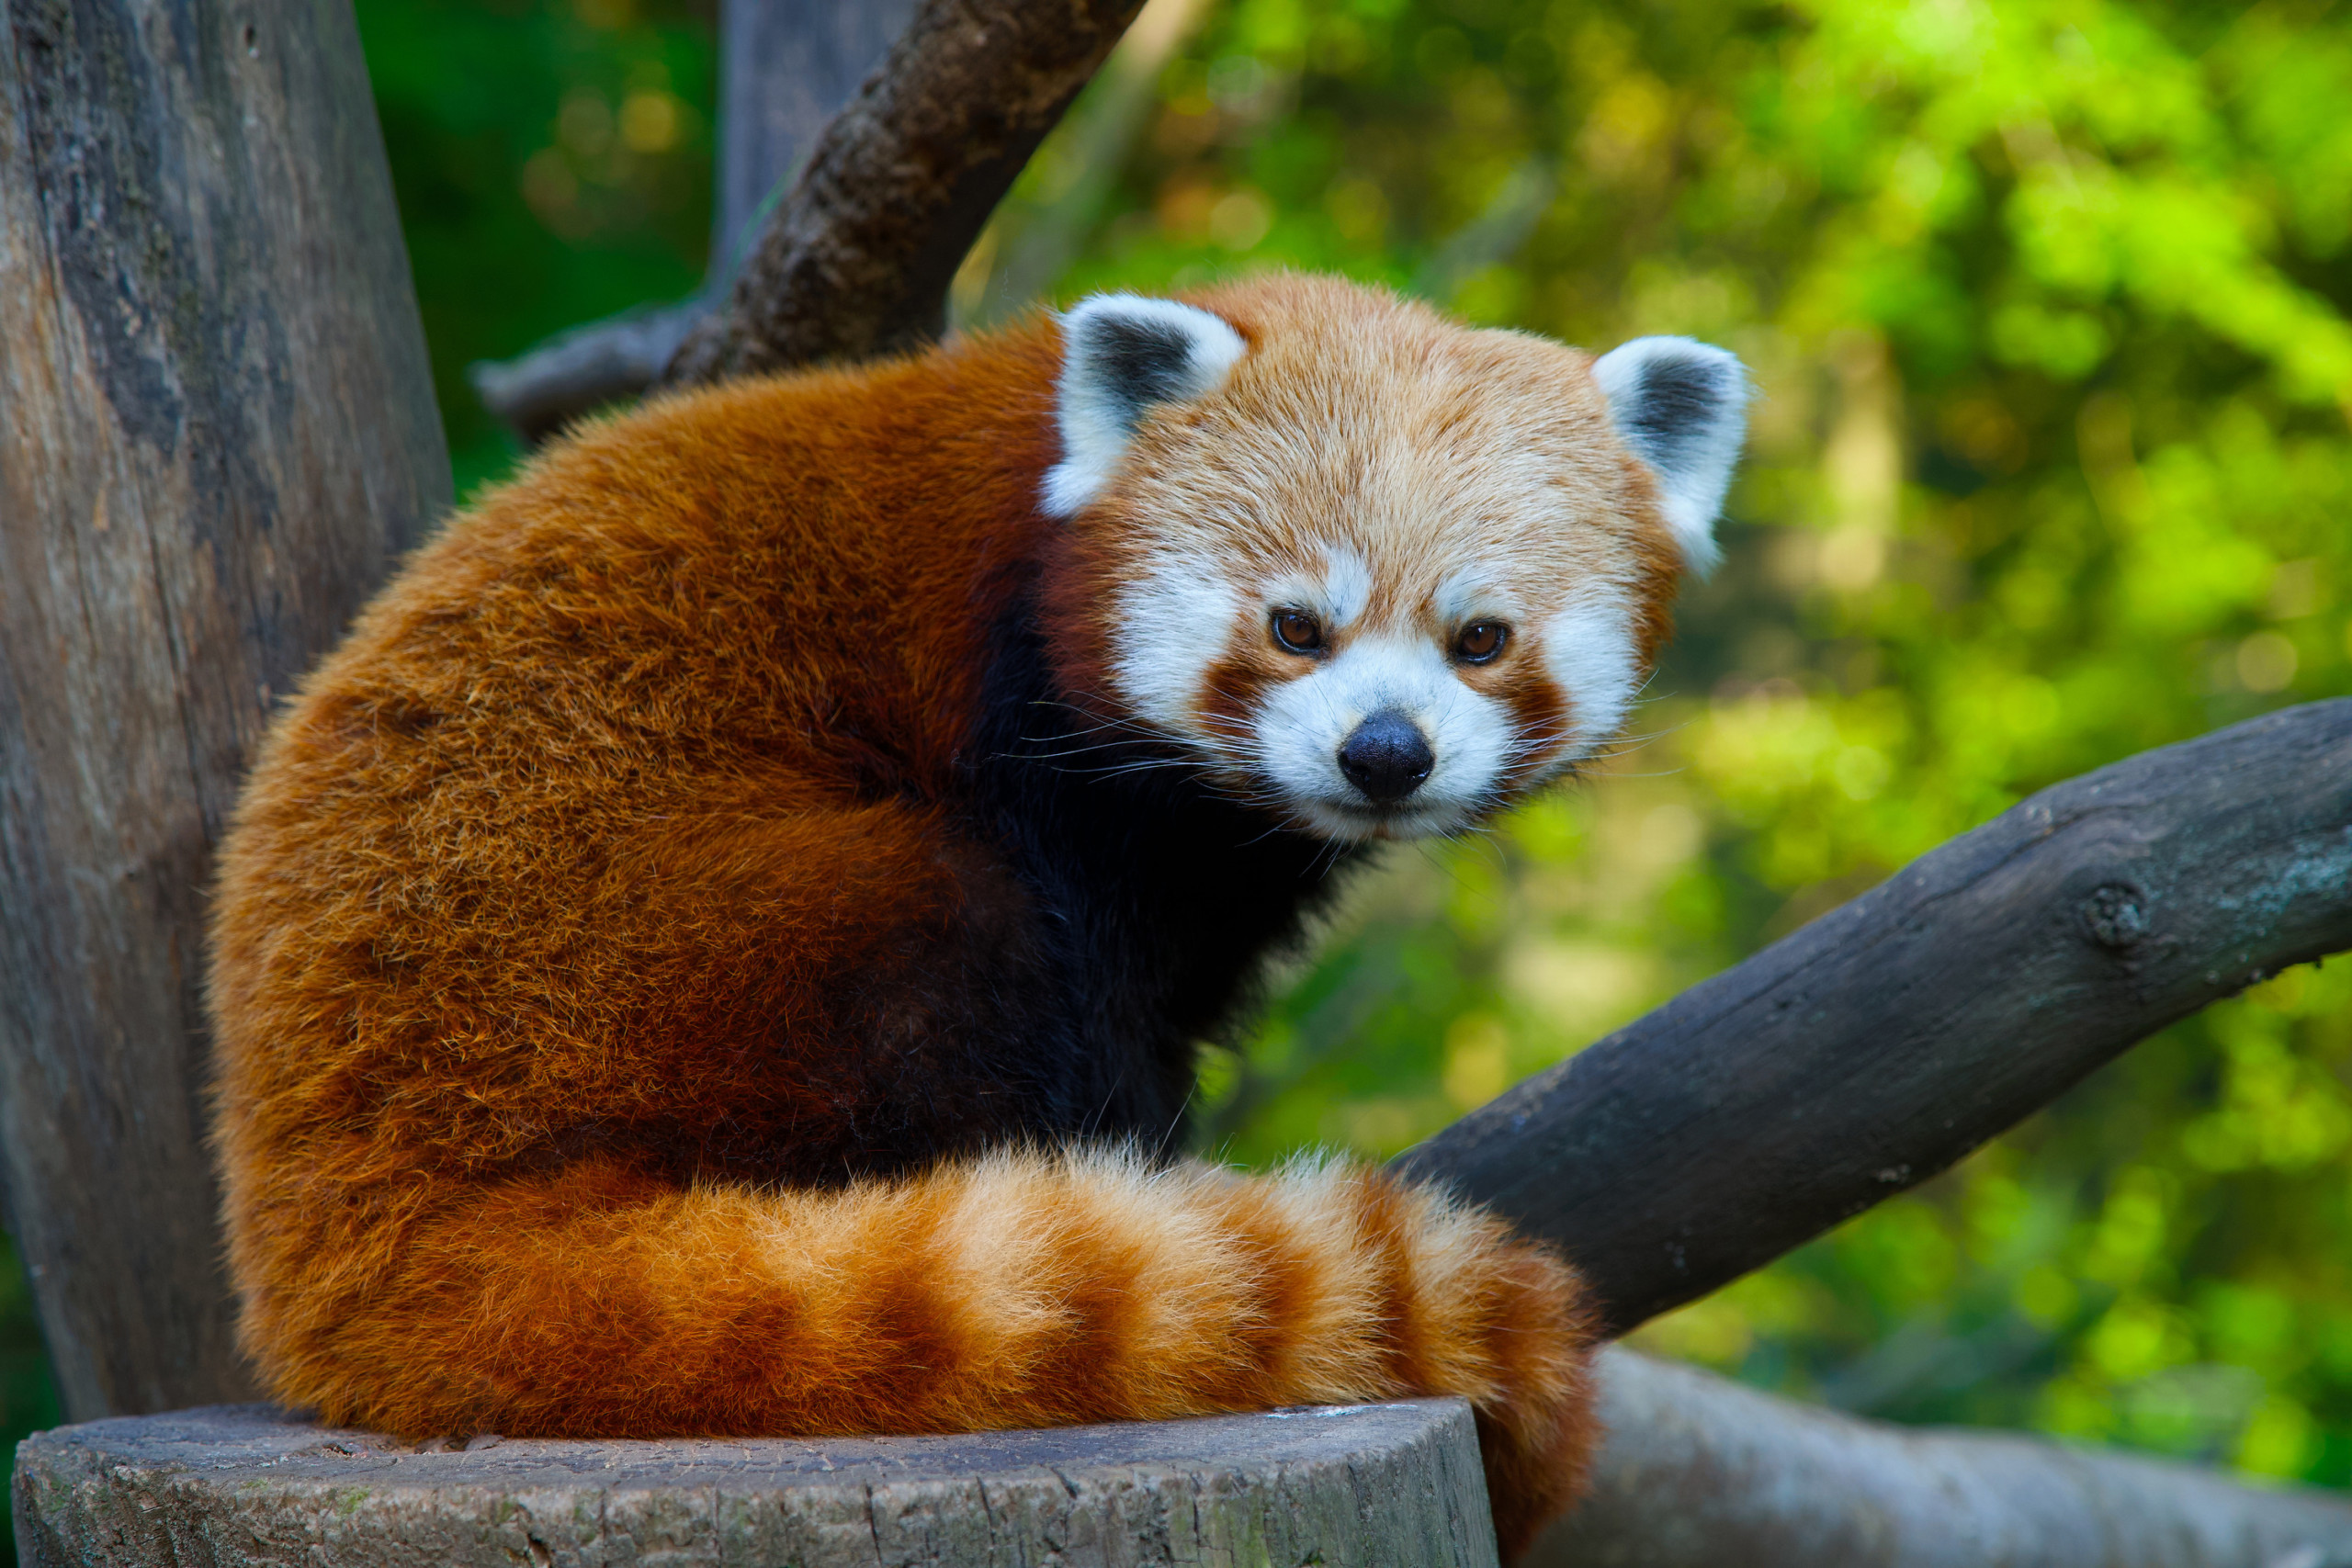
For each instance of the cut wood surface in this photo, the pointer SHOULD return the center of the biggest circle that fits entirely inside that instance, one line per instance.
(1873, 1048)
(216, 431)
(855, 261)
(1699, 1473)
(1392, 1485)
(1696, 1473)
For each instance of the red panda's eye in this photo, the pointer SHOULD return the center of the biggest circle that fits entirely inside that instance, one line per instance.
(1480, 641)
(1298, 631)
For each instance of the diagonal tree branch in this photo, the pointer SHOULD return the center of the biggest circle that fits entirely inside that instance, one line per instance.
(856, 260)
(787, 67)
(1882, 1041)
(1699, 1472)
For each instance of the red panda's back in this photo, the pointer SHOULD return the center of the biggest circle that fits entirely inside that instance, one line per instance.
(434, 922)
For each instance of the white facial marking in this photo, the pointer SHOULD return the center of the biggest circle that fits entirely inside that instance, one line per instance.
(1173, 626)
(1334, 596)
(1468, 595)
(1121, 353)
(1589, 647)
(1305, 721)
(1347, 585)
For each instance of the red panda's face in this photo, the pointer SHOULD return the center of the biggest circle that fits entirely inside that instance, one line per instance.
(1375, 571)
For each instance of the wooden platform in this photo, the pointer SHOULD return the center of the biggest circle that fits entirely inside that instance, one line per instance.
(226, 1486)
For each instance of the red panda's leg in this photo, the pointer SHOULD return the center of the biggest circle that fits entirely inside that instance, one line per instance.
(1017, 1289)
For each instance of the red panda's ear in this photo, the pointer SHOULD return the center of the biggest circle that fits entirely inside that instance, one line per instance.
(1682, 407)
(1121, 353)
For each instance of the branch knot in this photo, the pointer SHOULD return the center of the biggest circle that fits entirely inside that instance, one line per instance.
(2115, 916)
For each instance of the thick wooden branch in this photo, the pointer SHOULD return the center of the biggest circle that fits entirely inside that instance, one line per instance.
(580, 371)
(1887, 1039)
(1698, 1472)
(855, 262)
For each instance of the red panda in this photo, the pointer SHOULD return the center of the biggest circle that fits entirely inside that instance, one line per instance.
(719, 949)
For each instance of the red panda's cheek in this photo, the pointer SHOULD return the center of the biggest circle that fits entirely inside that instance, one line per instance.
(1592, 652)
(1171, 630)
(1233, 693)
(1542, 725)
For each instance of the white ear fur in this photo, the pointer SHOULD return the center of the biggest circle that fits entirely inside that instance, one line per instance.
(1121, 353)
(1682, 407)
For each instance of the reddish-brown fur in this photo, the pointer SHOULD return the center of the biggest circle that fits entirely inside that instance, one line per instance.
(555, 894)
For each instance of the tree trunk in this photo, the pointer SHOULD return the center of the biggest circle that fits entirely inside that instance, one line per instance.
(218, 431)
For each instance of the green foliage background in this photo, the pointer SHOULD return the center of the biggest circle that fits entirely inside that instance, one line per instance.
(2047, 304)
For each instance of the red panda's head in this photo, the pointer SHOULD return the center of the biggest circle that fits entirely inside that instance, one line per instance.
(1376, 570)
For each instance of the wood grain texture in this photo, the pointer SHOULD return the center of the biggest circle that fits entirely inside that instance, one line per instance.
(1371, 1486)
(855, 262)
(1699, 1472)
(1875, 1047)
(216, 431)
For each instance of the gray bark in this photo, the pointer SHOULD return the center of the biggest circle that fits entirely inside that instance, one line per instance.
(1373, 1486)
(1699, 1473)
(1043, 242)
(216, 431)
(579, 371)
(1880, 1044)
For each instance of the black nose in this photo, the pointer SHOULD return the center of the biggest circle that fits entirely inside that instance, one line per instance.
(1387, 757)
